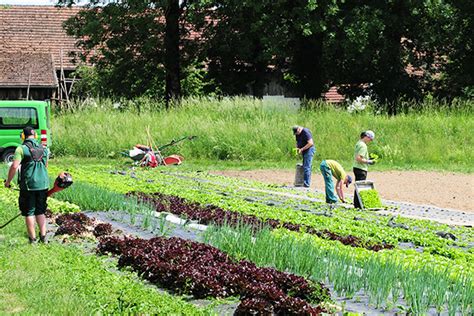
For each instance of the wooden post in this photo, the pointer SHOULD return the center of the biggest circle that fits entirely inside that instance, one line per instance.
(72, 84)
(63, 79)
(28, 89)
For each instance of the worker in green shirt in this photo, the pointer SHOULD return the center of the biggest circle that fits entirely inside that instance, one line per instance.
(361, 159)
(33, 181)
(329, 169)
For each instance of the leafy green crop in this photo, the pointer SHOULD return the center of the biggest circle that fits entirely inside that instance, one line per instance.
(227, 195)
(370, 198)
(384, 276)
(374, 157)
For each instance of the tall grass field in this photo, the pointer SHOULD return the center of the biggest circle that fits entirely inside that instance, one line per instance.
(250, 130)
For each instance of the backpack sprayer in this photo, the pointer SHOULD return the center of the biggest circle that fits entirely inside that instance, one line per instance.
(63, 181)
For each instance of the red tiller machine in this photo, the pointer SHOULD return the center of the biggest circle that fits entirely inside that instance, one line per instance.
(150, 156)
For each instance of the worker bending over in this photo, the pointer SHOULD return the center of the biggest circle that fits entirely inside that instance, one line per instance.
(330, 168)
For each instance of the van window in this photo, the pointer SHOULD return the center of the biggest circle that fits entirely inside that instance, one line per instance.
(18, 118)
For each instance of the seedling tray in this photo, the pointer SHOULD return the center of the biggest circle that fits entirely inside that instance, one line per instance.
(363, 185)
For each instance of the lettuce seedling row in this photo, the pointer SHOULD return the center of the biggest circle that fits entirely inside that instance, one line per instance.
(210, 214)
(187, 267)
(203, 271)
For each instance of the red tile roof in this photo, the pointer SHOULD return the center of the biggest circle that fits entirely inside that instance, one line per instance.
(333, 96)
(18, 70)
(37, 29)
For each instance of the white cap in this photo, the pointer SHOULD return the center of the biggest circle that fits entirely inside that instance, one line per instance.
(370, 134)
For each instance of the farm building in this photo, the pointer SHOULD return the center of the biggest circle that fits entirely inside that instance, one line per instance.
(27, 76)
(35, 52)
(33, 30)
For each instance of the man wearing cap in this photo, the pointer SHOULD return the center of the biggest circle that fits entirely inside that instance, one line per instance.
(361, 159)
(329, 169)
(33, 181)
(305, 147)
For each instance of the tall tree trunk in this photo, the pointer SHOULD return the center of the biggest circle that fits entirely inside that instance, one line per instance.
(308, 65)
(259, 70)
(259, 80)
(392, 74)
(172, 53)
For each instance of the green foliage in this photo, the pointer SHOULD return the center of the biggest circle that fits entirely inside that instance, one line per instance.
(90, 84)
(125, 43)
(10, 197)
(370, 198)
(377, 43)
(93, 198)
(63, 280)
(457, 71)
(383, 276)
(197, 83)
(305, 45)
(373, 229)
(237, 47)
(252, 130)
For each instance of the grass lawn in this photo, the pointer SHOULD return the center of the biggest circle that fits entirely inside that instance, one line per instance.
(242, 133)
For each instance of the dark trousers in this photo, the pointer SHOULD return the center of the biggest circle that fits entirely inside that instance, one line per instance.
(307, 165)
(359, 175)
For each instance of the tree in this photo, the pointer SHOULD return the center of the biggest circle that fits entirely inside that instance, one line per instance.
(458, 36)
(302, 49)
(382, 43)
(137, 45)
(134, 44)
(172, 53)
(237, 45)
(247, 40)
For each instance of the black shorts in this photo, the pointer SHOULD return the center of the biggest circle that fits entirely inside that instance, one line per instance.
(33, 202)
(359, 174)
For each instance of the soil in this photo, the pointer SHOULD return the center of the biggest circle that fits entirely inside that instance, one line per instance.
(446, 190)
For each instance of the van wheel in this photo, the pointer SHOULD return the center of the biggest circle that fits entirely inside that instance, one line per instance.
(8, 155)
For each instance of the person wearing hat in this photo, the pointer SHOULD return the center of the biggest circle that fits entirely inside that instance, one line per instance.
(361, 159)
(33, 181)
(329, 169)
(305, 147)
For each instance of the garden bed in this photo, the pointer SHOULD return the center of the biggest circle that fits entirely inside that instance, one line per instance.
(422, 248)
(188, 267)
(210, 214)
(204, 271)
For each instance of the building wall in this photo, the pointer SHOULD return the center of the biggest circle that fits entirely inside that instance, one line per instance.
(20, 93)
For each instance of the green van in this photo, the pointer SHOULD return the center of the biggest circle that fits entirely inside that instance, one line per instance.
(14, 116)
